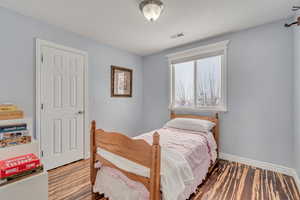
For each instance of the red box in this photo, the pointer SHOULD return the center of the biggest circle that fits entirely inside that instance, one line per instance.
(13, 166)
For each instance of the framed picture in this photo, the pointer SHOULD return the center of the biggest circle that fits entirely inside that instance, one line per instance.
(121, 82)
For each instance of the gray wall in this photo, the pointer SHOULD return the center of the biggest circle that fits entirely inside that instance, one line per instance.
(297, 98)
(258, 124)
(17, 82)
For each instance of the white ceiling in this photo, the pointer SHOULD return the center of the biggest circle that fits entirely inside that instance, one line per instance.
(120, 24)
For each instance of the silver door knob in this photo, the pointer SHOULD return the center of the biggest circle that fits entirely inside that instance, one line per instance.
(80, 112)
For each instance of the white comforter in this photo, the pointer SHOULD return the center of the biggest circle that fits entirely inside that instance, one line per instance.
(179, 156)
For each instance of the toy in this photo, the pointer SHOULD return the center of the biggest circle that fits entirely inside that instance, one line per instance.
(17, 165)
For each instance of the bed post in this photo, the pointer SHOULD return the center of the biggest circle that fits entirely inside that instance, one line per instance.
(217, 128)
(155, 169)
(93, 171)
(171, 114)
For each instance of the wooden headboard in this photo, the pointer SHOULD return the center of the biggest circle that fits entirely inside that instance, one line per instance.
(214, 119)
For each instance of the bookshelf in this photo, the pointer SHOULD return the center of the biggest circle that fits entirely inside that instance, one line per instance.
(22, 188)
(33, 187)
(21, 149)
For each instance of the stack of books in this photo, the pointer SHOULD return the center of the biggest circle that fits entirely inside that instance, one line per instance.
(10, 111)
(16, 134)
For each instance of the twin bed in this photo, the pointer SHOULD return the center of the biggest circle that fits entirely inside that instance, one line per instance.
(168, 163)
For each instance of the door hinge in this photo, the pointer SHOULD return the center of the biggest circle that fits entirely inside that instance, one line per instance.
(42, 106)
(42, 58)
(42, 153)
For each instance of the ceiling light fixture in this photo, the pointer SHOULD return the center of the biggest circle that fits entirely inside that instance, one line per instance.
(151, 9)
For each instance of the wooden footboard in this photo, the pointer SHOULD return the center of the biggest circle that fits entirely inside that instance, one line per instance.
(138, 151)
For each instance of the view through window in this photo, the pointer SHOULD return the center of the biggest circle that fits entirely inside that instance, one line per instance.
(198, 83)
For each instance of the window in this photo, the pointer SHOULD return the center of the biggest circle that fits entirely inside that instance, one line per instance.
(199, 78)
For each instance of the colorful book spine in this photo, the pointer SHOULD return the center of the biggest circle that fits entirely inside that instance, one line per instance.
(7, 115)
(15, 141)
(11, 128)
(6, 108)
(8, 135)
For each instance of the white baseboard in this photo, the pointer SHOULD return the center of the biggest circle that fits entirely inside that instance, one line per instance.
(260, 164)
(263, 165)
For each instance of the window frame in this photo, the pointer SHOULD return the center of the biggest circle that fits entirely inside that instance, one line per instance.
(216, 49)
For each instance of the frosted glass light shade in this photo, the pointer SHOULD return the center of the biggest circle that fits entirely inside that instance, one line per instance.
(151, 9)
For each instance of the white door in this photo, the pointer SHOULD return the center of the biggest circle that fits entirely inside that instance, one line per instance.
(62, 106)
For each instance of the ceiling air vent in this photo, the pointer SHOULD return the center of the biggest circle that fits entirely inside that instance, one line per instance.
(178, 35)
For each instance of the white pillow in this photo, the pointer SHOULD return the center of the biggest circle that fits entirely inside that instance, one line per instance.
(198, 125)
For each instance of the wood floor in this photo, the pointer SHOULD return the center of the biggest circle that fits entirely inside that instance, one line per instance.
(229, 181)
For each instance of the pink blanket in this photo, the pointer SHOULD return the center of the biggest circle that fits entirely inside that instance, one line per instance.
(199, 150)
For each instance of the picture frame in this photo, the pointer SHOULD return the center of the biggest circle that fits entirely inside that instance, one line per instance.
(121, 81)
